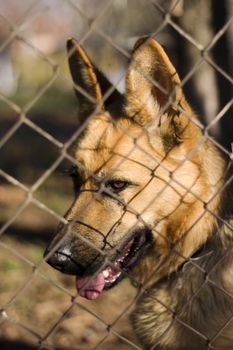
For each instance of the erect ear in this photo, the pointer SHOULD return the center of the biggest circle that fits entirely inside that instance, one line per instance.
(89, 83)
(153, 85)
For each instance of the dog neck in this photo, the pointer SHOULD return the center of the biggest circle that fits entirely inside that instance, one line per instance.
(217, 244)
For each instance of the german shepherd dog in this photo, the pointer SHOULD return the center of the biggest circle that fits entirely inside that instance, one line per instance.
(149, 204)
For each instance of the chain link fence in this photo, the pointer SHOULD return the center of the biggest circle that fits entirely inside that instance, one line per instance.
(40, 308)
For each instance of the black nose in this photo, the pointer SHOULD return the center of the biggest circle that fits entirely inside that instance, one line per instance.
(63, 261)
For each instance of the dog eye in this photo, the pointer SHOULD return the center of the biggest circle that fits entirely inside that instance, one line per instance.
(76, 178)
(73, 171)
(117, 186)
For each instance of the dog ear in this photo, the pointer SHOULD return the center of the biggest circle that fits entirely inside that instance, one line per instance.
(153, 89)
(90, 84)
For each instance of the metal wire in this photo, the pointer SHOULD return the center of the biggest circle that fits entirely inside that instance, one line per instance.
(17, 34)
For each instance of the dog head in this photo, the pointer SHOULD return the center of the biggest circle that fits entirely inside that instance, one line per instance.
(144, 176)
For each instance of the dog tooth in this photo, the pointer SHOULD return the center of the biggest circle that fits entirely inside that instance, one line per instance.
(106, 273)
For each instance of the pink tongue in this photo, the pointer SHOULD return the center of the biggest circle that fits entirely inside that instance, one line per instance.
(90, 287)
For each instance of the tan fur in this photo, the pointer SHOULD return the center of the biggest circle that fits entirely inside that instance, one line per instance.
(157, 144)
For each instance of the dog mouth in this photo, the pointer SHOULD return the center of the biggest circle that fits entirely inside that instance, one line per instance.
(90, 287)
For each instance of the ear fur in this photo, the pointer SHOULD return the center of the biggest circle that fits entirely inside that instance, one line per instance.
(90, 84)
(153, 90)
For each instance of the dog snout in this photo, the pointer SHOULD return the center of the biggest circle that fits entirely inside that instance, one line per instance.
(72, 253)
(63, 260)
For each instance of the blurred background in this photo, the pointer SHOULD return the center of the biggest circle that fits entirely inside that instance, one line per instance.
(38, 116)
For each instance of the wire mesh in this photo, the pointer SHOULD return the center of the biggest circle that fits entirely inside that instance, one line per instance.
(40, 308)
